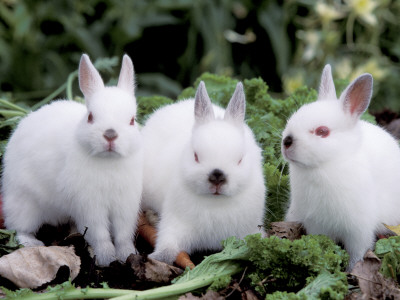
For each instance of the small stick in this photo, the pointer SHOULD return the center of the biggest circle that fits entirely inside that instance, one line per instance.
(149, 233)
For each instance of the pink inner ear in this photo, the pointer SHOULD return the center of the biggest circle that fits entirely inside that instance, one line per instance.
(356, 103)
(358, 95)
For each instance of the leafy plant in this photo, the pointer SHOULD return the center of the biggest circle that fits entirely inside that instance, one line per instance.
(288, 266)
(354, 36)
(286, 43)
(324, 286)
(388, 250)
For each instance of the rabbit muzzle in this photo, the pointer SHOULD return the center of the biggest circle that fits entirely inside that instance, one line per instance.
(217, 178)
(110, 136)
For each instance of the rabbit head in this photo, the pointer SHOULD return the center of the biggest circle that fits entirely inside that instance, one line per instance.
(327, 129)
(216, 162)
(109, 127)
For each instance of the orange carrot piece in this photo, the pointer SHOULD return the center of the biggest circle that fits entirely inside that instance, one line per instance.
(149, 233)
(183, 260)
(146, 230)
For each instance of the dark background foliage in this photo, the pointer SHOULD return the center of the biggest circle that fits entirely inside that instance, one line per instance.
(172, 42)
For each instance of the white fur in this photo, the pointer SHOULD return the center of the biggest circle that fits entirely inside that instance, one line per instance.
(57, 166)
(176, 186)
(346, 184)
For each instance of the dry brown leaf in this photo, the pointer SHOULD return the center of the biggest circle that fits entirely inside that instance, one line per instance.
(32, 267)
(210, 295)
(371, 282)
(249, 295)
(354, 296)
(287, 230)
(147, 269)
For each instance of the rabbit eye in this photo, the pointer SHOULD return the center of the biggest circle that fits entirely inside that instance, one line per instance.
(90, 118)
(196, 158)
(132, 121)
(322, 131)
(240, 161)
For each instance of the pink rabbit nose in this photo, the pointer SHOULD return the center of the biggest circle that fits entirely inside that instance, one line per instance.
(287, 141)
(110, 135)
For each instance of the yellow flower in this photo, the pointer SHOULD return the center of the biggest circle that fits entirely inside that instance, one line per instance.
(327, 13)
(371, 66)
(364, 9)
(343, 69)
(292, 82)
(311, 40)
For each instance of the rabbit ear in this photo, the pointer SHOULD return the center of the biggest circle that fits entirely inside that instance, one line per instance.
(203, 110)
(357, 96)
(237, 105)
(89, 78)
(126, 80)
(327, 87)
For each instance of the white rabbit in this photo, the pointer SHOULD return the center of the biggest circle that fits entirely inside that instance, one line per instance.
(84, 163)
(344, 172)
(202, 173)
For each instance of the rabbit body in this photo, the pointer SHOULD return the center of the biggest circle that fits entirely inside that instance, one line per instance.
(58, 166)
(182, 153)
(344, 172)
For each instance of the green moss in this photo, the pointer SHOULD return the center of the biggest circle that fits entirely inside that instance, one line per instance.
(219, 88)
(282, 265)
(148, 104)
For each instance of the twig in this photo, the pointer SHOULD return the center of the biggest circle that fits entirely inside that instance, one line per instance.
(370, 280)
(238, 285)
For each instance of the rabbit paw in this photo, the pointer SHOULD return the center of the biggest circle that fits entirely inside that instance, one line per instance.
(28, 240)
(124, 251)
(106, 255)
(166, 256)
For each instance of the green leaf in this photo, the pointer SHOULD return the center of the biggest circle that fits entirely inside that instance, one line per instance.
(8, 241)
(388, 250)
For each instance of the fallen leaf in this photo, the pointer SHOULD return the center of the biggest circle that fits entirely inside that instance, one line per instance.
(287, 230)
(210, 295)
(395, 229)
(249, 295)
(371, 282)
(32, 267)
(354, 296)
(147, 269)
